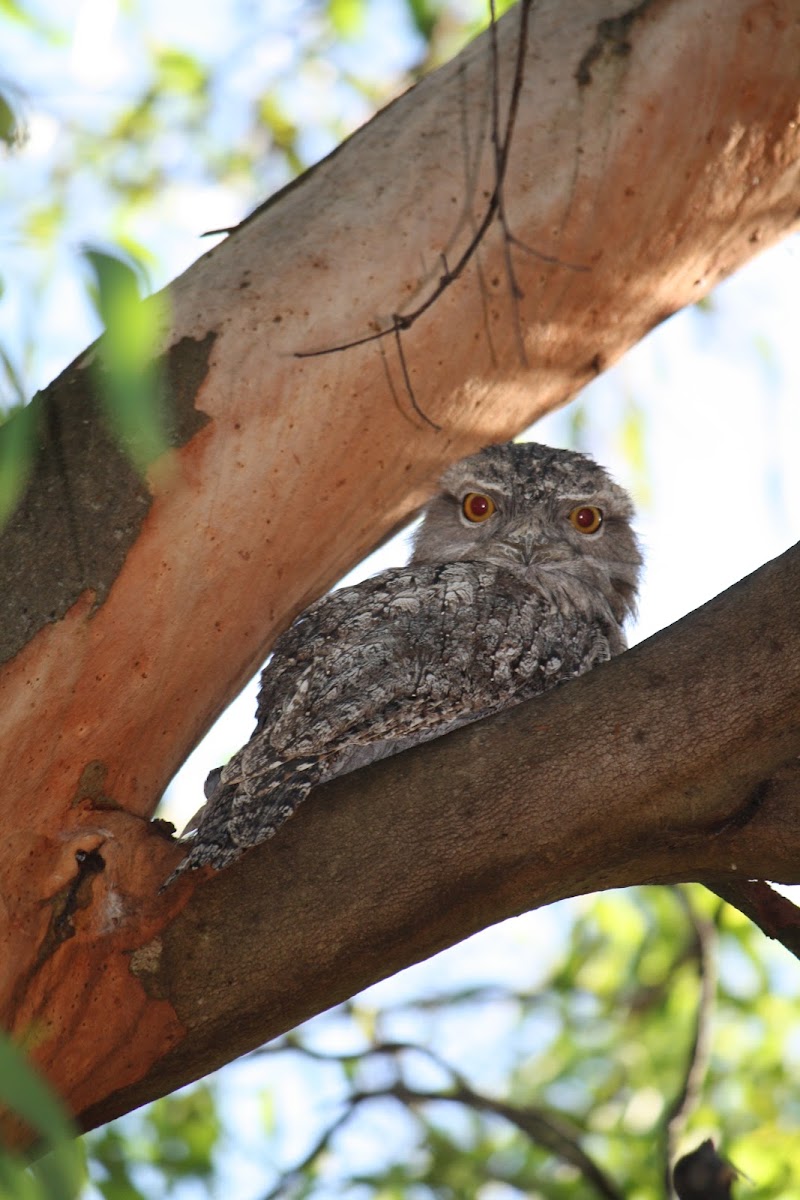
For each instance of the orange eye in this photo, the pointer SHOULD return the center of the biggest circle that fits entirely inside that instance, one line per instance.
(586, 518)
(477, 507)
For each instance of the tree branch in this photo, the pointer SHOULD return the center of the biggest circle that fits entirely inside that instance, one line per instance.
(544, 1127)
(631, 774)
(775, 915)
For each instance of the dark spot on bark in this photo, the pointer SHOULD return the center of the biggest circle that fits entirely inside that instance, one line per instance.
(755, 800)
(612, 40)
(82, 503)
(75, 895)
(747, 810)
(658, 679)
(90, 862)
(661, 317)
(91, 787)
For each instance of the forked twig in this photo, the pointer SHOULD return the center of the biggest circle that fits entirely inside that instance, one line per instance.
(495, 209)
(686, 1099)
(540, 1126)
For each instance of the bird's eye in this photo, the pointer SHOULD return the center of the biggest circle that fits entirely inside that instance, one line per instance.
(477, 507)
(586, 518)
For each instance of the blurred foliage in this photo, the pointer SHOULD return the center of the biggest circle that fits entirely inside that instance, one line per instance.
(561, 1090)
(17, 441)
(171, 1142)
(60, 1173)
(10, 132)
(127, 366)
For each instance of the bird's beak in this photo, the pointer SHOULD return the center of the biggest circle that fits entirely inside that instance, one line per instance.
(525, 548)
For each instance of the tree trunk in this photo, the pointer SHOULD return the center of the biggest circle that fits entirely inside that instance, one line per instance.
(656, 147)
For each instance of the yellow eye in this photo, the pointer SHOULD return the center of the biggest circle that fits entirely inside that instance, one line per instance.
(586, 518)
(477, 507)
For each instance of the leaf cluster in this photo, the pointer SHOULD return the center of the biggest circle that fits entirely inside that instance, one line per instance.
(60, 1172)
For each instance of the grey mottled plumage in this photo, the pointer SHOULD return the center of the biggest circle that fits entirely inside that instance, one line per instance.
(505, 595)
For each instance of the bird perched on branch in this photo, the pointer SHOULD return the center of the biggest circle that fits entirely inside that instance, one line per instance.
(524, 569)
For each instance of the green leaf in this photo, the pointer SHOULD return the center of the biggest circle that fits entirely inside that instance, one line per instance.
(187, 1128)
(9, 122)
(633, 441)
(17, 448)
(129, 379)
(14, 380)
(271, 112)
(43, 222)
(424, 15)
(20, 14)
(112, 1156)
(60, 1173)
(17, 12)
(180, 72)
(347, 17)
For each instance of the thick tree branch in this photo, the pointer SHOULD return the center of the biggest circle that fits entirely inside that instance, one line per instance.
(633, 774)
(133, 610)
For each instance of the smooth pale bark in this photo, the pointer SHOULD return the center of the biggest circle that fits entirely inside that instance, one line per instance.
(657, 146)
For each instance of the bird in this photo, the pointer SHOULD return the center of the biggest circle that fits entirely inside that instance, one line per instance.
(525, 567)
(704, 1175)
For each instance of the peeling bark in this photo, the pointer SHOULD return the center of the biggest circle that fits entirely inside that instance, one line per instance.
(657, 146)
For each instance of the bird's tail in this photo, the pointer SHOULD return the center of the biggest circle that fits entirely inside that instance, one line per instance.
(243, 813)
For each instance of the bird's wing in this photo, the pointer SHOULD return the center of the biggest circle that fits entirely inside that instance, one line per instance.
(369, 670)
(414, 650)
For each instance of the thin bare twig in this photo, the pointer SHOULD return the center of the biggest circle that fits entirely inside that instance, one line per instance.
(546, 1129)
(320, 1146)
(495, 209)
(403, 321)
(543, 1128)
(501, 156)
(685, 1100)
(407, 380)
(775, 915)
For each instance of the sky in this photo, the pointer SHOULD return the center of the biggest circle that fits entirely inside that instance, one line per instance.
(711, 397)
